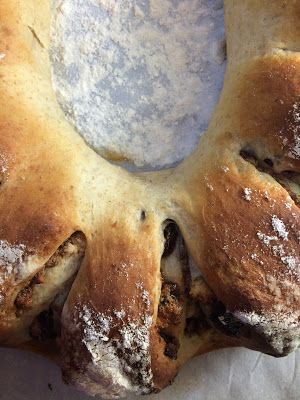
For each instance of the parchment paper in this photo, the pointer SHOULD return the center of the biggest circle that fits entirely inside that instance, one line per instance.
(231, 374)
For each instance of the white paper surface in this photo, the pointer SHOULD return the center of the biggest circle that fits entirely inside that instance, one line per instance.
(231, 374)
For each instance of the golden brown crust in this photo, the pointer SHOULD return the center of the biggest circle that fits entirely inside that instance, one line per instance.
(264, 101)
(244, 205)
(254, 28)
(236, 207)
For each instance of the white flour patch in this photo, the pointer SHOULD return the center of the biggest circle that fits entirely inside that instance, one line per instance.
(295, 151)
(266, 239)
(11, 257)
(139, 78)
(119, 349)
(255, 257)
(225, 169)
(288, 206)
(11, 262)
(279, 227)
(293, 128)
(247, 192)
(280, 250)
(281, 328)
(10, 254)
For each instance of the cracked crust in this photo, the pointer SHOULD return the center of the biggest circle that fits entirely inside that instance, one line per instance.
(239, 223)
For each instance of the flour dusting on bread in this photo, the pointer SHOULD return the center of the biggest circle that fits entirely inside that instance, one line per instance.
(281, 328)
(279, 227)
(120, 347)
(10, 254)
(247, 194)
(288, 257)
(148, 72)
(11, 257)
(295, 126)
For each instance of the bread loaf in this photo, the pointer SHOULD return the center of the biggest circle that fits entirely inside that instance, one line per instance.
(125, 277)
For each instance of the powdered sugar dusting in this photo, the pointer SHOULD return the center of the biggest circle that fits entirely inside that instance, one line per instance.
(255, 257)
(126, 340)
(225, 169)
(10, 254)
(95, 331)
(120, 314)
(266, 239)
(288, 206)
(295, 127)
(2, 56)
(292, 128)
(145, 298)
(247, 192)
(10, 259)
(281, 328)
(279, 227)
(278, 250)
(149, 72)
(289, 258)
(105, 363)
(291, 262)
